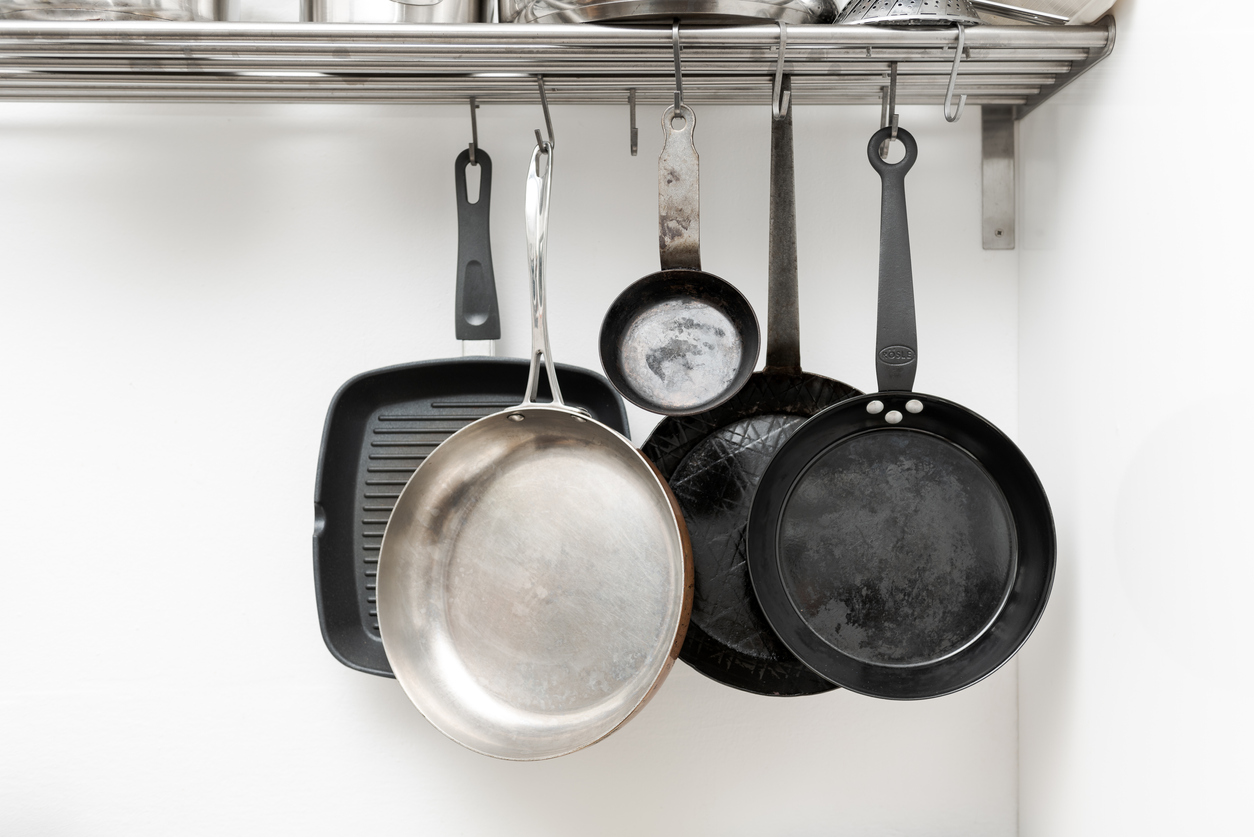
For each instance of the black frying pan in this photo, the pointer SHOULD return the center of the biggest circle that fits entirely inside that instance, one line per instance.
(713, 461)
(382, 425)
(679, 341)
(900, 544)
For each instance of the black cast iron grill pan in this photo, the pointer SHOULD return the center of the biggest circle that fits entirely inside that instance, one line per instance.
(714, 459)
(899, 544)
(383, 424)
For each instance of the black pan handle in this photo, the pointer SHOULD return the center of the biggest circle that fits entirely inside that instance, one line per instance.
(783, 326)
(477, 316)
(896, 345)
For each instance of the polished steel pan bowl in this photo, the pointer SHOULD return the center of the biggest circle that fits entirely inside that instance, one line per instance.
(535, 578)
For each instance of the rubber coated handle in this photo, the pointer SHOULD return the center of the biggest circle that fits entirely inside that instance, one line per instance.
(679, 192)
(783, 322)
(477, 315)
(896, 344)
(539, 185)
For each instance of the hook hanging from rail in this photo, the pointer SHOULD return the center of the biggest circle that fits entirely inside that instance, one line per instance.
(631, 106)
(953, 79)
(548, 120)
(474, 132)
(679, 73)
(781, 95)
(888, 109)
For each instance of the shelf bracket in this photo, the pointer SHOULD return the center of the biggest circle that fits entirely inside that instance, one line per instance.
(998, 177)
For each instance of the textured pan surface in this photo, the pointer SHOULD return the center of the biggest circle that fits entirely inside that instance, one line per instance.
(534, 584)
(903, 560)
(713, 462)
(380, 427)
(679, 341)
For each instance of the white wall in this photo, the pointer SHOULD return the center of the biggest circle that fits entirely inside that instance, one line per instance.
(1136, 406)
(184, 287)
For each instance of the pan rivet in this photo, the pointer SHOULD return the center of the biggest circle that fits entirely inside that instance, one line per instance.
(516, 417)
(914, 406)
(893, 417)
(580, 419)
(875, 408)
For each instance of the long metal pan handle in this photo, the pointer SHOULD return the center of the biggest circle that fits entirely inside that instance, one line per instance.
(679, 192)
(539, 183)
(478, 315)
(783, 324)
(896, 344)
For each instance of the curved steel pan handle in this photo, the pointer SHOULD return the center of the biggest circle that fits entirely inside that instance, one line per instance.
(539, 184)
(896, 344)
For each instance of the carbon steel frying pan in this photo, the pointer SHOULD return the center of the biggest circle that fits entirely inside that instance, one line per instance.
(900, 544)
(679, 341)
(382, 424)
(535, 578)
(713, 461)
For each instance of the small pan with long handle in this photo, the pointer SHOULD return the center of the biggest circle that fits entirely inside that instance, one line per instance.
(679, 341)
(535, 579)
(383, 424)
(713, 461)
(899, 544)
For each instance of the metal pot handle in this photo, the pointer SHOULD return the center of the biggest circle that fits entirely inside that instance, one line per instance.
(679, 192)
(783, 320)
(539, 184)
(896, 342)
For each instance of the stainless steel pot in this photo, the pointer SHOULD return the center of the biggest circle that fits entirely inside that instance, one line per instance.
(184, 10)
(396, 11)
(602, 11)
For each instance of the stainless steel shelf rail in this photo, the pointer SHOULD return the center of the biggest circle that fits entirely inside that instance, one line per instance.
(1015, 66)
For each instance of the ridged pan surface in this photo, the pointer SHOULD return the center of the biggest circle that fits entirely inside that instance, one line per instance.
(379, 428)
(535, 578)
(715, 459)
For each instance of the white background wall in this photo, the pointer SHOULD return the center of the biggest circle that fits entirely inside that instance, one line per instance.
(1135, 314)
(185, 287)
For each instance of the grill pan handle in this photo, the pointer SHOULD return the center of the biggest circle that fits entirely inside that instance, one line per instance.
(539, 183)
(896, 344)
(679, 192)
(478, 316)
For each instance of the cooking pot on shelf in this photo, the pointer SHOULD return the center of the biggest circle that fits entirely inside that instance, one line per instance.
(184, 10)
(396, 11)
(604, 11)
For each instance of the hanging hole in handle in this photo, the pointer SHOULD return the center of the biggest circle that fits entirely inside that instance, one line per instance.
(474, 177)
(678, 122)
(892, 151)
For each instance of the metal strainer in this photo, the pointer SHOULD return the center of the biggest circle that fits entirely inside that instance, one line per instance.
(911, 12)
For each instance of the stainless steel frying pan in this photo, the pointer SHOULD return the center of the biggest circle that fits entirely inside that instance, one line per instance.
(535, 578)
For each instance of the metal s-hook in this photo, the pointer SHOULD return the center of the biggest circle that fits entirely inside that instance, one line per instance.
(635, 134)
(474, 132)
(781, 94)
(548, 120)
(679, 73)
(953, 79)
(888, 109)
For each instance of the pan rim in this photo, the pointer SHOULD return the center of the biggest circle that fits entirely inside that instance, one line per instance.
(1018, 615)
(729, 301)
(724, 415)
(676, 536)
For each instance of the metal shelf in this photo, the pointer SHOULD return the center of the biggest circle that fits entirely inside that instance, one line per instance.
(1015, 66)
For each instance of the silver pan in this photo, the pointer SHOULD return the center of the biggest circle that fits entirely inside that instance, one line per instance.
(535, 578)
